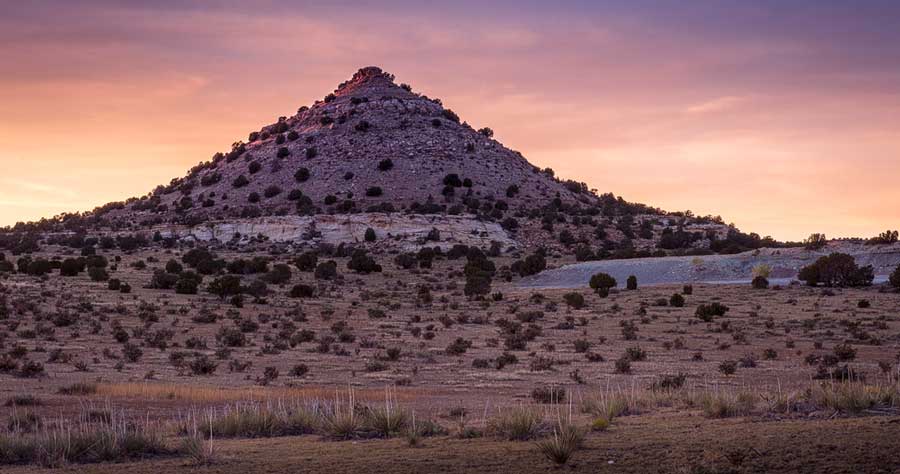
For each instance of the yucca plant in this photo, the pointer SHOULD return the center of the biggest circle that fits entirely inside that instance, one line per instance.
(565, 440)
(387, 420)
(342, 422)
(517, 424)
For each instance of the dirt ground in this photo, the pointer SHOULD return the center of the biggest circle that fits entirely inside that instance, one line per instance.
(380, 333)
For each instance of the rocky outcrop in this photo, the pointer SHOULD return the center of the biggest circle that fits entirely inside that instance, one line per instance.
(784, 264)
(400, 231)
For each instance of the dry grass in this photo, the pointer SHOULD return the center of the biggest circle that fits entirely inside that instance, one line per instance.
(59, 443)
(854, 397)
(519, 423)
(204, 394)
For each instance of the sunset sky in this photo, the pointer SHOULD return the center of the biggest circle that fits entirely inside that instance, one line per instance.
(781, 116)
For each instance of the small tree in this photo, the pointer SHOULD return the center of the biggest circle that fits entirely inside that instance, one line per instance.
(71, 267)
(601, 283)
(631, 283)
(385, 164)
(574, 300)
(326, 270)
(98, 274)
(895, 278)
(370, 235)
(307, 261)
(187, 283)
(706, 312)
(302, 175)
(836, 269)
(815, 241)
(225, 286)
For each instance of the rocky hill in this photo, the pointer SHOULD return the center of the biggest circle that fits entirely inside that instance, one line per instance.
(375, 147)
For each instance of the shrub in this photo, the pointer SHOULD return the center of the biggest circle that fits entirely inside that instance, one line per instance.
(98, 274)
(728, 367)
(532, 265)
(815, 241)
(307, 261)
(895, 278)
(279, 274)
(302, 291)
(71, 267)
(623, 365)
(836, 269)
(302, 175)
(283, 152)
(161, 280)
(271, 191)
(762, 270)
(760, 283)
(131, 352)
(669, 382)
(172, 266)
(203, 365)
(374, 191)
(326, 270)
(549, 395)
(844, 352)
(706, 312)
(453, 180)
(240, 181)
(361, 262)
(225, 286)
(187, 283)
(631, 283)
(566, 439)
(676, 300)
(574, 300)
(385, 164)
(724, 405)
(459, 346)
(517, 424)
(370, 235)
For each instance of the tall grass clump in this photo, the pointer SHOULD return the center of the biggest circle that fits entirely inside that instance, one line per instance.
(61, 443)
(255, 420)
(517, 424)
(853, 397)
(727, 404)
(386, 420)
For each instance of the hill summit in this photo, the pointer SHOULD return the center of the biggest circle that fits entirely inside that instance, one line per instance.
(375, 146)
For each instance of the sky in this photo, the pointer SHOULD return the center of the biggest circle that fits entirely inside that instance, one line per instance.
(781, 116)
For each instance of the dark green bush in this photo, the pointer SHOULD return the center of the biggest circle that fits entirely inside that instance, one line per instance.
(837, 269)
(706, 312)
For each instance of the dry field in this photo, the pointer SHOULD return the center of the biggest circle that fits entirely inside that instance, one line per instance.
(795, 379)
